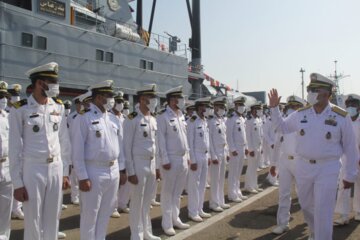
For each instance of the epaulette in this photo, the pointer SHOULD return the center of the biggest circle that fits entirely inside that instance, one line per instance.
(153, 114)
(20, 103)
(57, 100)
(210, 117)
(339, 111)
(248, 117)
(193, 118)
(132, 115)
(74, 116)
(304, 108)
(161, 111)
(230, 115)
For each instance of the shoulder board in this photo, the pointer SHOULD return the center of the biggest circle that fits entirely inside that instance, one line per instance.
(230, 115)
(132, 115)
(304, 108)
(162, 111)
(339, 111)
(210, 117)
(20, 103)
(248, 117)
(74, 116)
(154, 114)
(193, 118)
(57, 100)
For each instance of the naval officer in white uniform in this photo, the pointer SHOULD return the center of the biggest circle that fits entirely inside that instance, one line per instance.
(96, 161)
(174, 153)
(324, 133)
(6, 188)
(218, 154)
(42, 153)
(286, 168)
(343, 206)
(236, 138)
(253, 131)
(199, 144)
(140, 149)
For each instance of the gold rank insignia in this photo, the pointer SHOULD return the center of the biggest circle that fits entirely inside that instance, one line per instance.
(328, 135)
(54, 113)
(132, 115)
(302, 132)
(339, 111)
(20, 103)
(193, 118)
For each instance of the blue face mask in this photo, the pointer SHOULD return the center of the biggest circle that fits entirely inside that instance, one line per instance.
(352, 111)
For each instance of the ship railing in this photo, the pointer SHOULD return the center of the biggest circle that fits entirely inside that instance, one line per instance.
(168, 44)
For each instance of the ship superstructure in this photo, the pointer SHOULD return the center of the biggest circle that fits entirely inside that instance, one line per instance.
(92, 40)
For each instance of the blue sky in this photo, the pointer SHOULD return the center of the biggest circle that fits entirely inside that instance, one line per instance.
(264, 43)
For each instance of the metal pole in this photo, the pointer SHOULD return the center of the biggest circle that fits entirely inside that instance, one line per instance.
(152, 17)
(196, 48)
(189, 11)
(139, 14)
(302, 82)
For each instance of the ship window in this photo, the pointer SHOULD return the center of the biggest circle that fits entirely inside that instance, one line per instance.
(142, 64)
(41, 43)
(150, 65)
(26, 39)
(109, 57)
(99, 55)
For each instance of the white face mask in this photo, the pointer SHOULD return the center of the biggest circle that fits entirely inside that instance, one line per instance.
(110, 102)
(211, 113)
(15, 99)
(181, 103)
(53, 90)
(119, 107)
(259, 113)
(126, 112)
(221, 112)
(67, 112)
(82, 108)
(240, 109)
(312, 98)
(207, 112)
(352, 111)
(152, 104)
(3, 103)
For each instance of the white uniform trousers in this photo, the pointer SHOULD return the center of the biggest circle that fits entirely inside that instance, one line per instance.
(236, 164)
(140, 200)
(286, 178)
(154, 193)
(217, 172)
(197, 184)
(43, 182)
(173, 182)
(6, 197)
(16, 205)
(124, 195)
(343, 203)
(74, 185)
(267, 154)
(251, 178)
(316, 186)
(97, 205)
